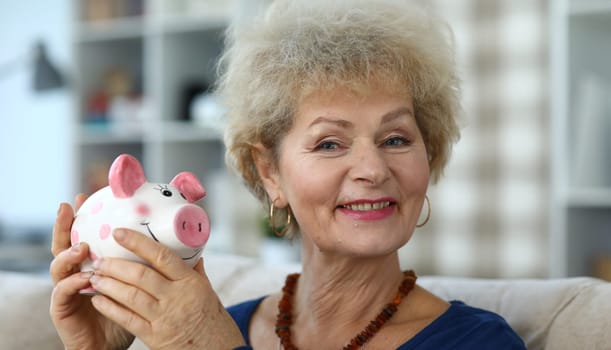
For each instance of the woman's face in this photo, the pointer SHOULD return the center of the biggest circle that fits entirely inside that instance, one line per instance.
(354, 171)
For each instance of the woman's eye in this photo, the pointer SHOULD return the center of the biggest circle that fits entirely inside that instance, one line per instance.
(396, 141)
(327, 146)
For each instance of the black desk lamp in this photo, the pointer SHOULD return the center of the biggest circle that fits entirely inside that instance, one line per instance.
(45, 75)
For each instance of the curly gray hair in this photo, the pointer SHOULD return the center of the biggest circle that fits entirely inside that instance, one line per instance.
(299, 47)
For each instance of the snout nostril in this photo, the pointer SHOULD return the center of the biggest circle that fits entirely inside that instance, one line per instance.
(192, 226)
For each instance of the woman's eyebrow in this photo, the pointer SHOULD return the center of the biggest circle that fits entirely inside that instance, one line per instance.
(388, 117)
(397, 113)
(331, 120)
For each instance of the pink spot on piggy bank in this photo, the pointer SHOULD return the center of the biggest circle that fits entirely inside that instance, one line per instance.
(74, 237)
(165, 213)
(104, 231)
(96, 208)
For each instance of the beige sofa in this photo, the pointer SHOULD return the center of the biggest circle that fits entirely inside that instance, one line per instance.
(557, 314)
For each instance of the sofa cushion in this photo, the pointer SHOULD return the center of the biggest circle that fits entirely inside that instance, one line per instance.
(535, 308)
(532, 307)
(554, 314)
(240, 278)
(586, 318)
(24, 312)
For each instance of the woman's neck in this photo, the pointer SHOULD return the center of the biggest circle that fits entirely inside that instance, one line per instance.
(343, 293)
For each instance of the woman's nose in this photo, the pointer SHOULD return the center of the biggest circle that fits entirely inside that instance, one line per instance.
(369, 165)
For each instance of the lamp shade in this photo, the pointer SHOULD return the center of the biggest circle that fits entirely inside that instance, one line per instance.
(46, 76)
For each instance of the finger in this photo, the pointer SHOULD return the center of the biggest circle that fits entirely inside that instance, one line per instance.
(132, 297)
(68, 262)
(79, 200)
(199, 267)
(122, 316)
(133, 273)
(65, 290)
(159, 256)
(61, 229)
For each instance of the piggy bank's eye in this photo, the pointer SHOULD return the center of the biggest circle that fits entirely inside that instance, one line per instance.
(164, 190)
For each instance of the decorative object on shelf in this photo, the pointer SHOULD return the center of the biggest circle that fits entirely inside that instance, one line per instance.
(97, 10)
(103, 10)
(236, 227)
(188, 94)
(164, 212)
(274, 249)
(97, 107)
(602, 267)
(118, 81)
(126, 109)
(45, 75)
(207, 111)
(119, 101)
(125, 113)
(97, 176)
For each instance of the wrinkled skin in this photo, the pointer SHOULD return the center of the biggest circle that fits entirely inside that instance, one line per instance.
(77, 322)
(167, 305)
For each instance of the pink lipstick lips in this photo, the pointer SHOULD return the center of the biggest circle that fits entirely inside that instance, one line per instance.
(369, 209)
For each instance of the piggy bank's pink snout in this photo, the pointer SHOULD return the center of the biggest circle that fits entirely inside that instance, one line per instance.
(192, 226)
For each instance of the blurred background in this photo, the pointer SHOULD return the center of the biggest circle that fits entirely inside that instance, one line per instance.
(526, 194)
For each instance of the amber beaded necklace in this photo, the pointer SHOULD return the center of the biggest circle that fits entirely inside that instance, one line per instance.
(285, 317)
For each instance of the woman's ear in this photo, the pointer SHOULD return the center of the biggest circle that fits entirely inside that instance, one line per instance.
(268, 172)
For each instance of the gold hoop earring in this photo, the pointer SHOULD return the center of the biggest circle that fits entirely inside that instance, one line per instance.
(285, 228)
(428, 212)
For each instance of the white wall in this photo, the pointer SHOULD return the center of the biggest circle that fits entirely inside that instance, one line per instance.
(34, 127)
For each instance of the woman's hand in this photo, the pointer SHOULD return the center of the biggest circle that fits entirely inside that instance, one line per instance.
(168, 305)
(78, 324)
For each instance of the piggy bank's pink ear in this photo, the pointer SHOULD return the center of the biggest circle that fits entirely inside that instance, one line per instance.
(125, 176)
(189, 186)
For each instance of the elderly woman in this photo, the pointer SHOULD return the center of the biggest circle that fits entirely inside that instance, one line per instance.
(341, 114)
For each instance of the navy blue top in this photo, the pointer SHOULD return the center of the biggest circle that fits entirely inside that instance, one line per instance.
(461, 327)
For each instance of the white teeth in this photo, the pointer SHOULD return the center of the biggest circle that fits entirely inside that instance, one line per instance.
(367, 206)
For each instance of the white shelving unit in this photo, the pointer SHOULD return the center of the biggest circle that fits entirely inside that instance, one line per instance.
(580, 108)
(163, 51)
(159, 58)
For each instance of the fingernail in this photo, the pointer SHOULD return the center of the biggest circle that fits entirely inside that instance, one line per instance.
(86, 275)
(120, 234)
(96, 300)
(94, 279)
(59, 209)
(97, 263)
(76, 249)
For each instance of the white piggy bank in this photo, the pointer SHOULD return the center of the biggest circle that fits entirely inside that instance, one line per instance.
(162, 212)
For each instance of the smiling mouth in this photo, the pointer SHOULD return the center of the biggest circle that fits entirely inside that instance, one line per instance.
(367, 206)
(148, 228)
(197, 251)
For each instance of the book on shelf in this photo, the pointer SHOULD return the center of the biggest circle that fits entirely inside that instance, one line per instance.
(591, 163)
(103, 10)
